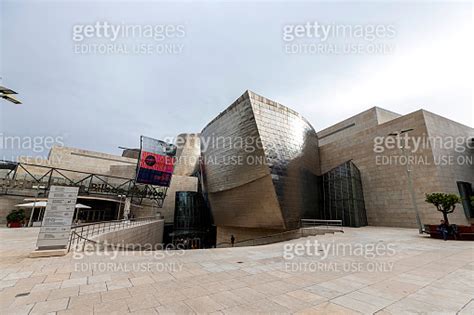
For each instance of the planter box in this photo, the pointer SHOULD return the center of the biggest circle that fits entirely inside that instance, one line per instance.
(464, 232)
(14, 224)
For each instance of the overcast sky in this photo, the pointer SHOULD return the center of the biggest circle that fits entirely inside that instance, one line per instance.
(101, 101)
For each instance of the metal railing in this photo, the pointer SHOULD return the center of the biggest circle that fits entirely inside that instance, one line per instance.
(20, 179)
(303, 230)
(268, 239)
(328, 224)
(80, 234)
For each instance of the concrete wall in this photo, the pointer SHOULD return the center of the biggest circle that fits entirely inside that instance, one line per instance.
(146, 234)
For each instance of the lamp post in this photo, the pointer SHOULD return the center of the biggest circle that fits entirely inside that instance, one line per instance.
(397, 134)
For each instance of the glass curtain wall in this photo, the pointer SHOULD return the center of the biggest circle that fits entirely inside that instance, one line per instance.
(343, 198)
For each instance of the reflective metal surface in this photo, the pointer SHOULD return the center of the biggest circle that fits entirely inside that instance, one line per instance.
(260, 165)
(187, 154)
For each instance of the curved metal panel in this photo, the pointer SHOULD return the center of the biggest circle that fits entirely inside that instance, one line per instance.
(270, 179)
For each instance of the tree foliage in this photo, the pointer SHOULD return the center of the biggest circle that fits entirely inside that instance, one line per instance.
(445, 203)
(16, 216)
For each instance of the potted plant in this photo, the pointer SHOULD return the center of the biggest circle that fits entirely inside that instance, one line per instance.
(15, 218)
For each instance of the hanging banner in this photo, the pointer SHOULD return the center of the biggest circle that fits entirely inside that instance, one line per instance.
(156, 162)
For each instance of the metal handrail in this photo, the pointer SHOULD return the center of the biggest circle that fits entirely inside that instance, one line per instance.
(303, 224)
(252, 241)
(96, 243)
(86, 231)
(318, 222)
(124, 186)
(110, 221)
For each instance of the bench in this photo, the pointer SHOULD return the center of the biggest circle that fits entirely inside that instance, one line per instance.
(462, 232)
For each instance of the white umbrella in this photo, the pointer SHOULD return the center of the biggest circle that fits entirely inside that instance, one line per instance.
(40, 204)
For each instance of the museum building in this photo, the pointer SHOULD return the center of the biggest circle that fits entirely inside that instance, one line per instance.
(259, 168)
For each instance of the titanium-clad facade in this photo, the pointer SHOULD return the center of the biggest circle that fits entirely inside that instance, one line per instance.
(260, 165)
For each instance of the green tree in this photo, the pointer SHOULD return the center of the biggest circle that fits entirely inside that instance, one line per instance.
(16, 216)
(444, 203)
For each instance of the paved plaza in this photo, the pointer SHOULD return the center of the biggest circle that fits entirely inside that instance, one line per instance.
(366, 270)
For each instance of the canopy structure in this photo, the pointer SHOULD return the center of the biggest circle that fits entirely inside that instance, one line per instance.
(40, 204)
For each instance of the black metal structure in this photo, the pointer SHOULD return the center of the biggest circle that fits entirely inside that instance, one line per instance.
(343, 198)
(23, 179)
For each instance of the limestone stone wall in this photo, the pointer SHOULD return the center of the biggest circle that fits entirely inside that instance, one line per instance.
(126, 171)
(384, 179)
(453, 164)
(148, 233)
(178, 183)
(82, 160)
(348, 127)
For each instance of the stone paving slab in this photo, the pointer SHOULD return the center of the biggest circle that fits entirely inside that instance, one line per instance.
(324, 274)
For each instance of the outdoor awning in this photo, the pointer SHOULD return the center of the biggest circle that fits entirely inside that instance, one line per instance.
(40, 204)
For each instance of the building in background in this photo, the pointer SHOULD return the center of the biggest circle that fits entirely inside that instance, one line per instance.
(104, 177)
(32, 177)
(435, 149)
(260, 168)
(185, 177)
(349, 171)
